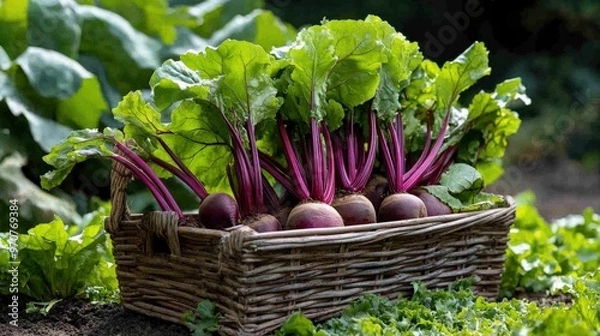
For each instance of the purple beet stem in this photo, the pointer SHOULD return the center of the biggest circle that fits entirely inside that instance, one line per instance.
(197, 189)
(191, 179)
(293, 164)
(394, 159)
(356, 160)
(245, 191)
(143, 166)
(140, 175)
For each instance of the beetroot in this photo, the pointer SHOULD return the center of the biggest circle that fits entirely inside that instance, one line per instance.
(376, 190)
(355, 209)
(401, 206)
(263, 223)
(314, 191)
(310, 215)
(435, 207)
(218, 211)
(354, 160)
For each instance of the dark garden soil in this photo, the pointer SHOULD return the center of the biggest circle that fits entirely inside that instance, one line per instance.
(562, 187)
(78, 317)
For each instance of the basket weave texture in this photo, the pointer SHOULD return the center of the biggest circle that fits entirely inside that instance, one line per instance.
(257, 280)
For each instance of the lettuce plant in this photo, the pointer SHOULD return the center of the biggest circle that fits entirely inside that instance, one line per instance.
(58, 260)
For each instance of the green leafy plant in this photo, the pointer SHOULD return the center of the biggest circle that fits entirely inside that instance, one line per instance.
(580, 318)
(458, 311)
(203, 321)
(102, 294)
(42, 308)
(540, 255)
(58, 260)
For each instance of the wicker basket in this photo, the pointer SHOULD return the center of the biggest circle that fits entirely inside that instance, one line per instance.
(258, 279)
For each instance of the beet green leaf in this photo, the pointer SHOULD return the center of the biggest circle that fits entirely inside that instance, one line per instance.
(483, 137)
(334, 65)
(199, 136)
(79, 146)
(460, 74)
(402, 58)
(230, 92)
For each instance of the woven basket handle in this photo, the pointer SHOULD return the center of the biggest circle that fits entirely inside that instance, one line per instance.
(119, 178)
(162, 224)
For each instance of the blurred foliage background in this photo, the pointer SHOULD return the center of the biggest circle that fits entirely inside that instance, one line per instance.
(64, 64)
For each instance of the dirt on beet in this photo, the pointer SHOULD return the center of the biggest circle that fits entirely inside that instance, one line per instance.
(78, 317)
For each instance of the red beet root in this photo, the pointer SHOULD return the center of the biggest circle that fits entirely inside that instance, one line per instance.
(263, 223)
(218, 211)
(355, 209)
(314, 215)
(401, 206)
(434, 206)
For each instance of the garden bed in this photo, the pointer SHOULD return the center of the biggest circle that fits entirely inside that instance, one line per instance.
(79, 317)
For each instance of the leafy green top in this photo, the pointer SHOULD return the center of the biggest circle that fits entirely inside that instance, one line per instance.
(331, 66)
(210, 101)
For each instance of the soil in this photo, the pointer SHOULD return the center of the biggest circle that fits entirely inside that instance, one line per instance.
(73, 317)
(543, 299)
(562, 187)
